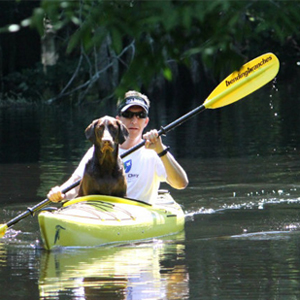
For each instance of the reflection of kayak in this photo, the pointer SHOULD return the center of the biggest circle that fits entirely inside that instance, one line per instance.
(96, 220)
(153, 270)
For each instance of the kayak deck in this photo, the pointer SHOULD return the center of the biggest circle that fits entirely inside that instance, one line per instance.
(96, 220)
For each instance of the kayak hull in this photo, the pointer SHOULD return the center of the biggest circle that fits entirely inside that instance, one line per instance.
(97, 220)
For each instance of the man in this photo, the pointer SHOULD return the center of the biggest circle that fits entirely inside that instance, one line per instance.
(146, 167)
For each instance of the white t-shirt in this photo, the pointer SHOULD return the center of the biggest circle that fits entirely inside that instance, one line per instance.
(144, 172)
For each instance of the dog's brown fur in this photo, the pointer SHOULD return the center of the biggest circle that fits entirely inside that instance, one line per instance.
(104, 173)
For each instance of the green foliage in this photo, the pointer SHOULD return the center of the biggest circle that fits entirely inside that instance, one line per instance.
(222, 34)
(36, 85)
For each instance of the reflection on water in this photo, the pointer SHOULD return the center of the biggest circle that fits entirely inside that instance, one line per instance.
(130, 272)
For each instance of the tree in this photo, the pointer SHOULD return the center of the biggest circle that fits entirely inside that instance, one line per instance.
(135, 42)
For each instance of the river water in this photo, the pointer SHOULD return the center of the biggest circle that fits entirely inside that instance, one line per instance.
(242, 206)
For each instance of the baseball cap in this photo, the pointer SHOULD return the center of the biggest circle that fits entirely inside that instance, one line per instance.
(132, 101)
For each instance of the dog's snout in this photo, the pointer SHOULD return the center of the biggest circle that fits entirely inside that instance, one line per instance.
(106, 143)
(107, 136)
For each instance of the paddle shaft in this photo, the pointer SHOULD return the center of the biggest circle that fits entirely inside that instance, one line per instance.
(164, 129)
(37, 207)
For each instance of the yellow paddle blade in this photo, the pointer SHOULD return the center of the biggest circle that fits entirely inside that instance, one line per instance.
(3, 228)
(252, 76)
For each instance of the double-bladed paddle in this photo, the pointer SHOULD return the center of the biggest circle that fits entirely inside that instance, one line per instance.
(252, 76)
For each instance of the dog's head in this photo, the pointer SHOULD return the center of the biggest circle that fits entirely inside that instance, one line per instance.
(106, 133)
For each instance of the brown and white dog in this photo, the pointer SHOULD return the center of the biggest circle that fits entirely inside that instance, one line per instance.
(104, 173)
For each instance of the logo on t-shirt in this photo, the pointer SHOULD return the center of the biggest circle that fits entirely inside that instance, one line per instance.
(127, 165)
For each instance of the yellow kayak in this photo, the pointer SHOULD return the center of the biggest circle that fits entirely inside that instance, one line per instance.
(97, 220)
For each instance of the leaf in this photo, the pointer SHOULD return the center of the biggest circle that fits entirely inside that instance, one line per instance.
(37, 20)
(167, 74)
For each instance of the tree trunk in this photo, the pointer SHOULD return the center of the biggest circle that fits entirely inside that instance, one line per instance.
(49, 55)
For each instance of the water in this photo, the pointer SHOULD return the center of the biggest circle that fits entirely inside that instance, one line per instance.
(242, 233)
(241, 241)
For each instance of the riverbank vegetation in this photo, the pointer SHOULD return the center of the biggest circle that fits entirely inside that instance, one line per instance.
(83, 52)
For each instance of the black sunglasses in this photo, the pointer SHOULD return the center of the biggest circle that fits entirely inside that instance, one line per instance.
(129, 114)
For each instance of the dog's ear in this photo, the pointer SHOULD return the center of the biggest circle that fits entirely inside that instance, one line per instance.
(123, 132)
(90, 131)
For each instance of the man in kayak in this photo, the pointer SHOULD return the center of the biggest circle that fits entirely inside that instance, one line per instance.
(146, 167)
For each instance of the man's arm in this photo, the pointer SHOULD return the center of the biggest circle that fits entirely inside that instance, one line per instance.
(176, 176)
